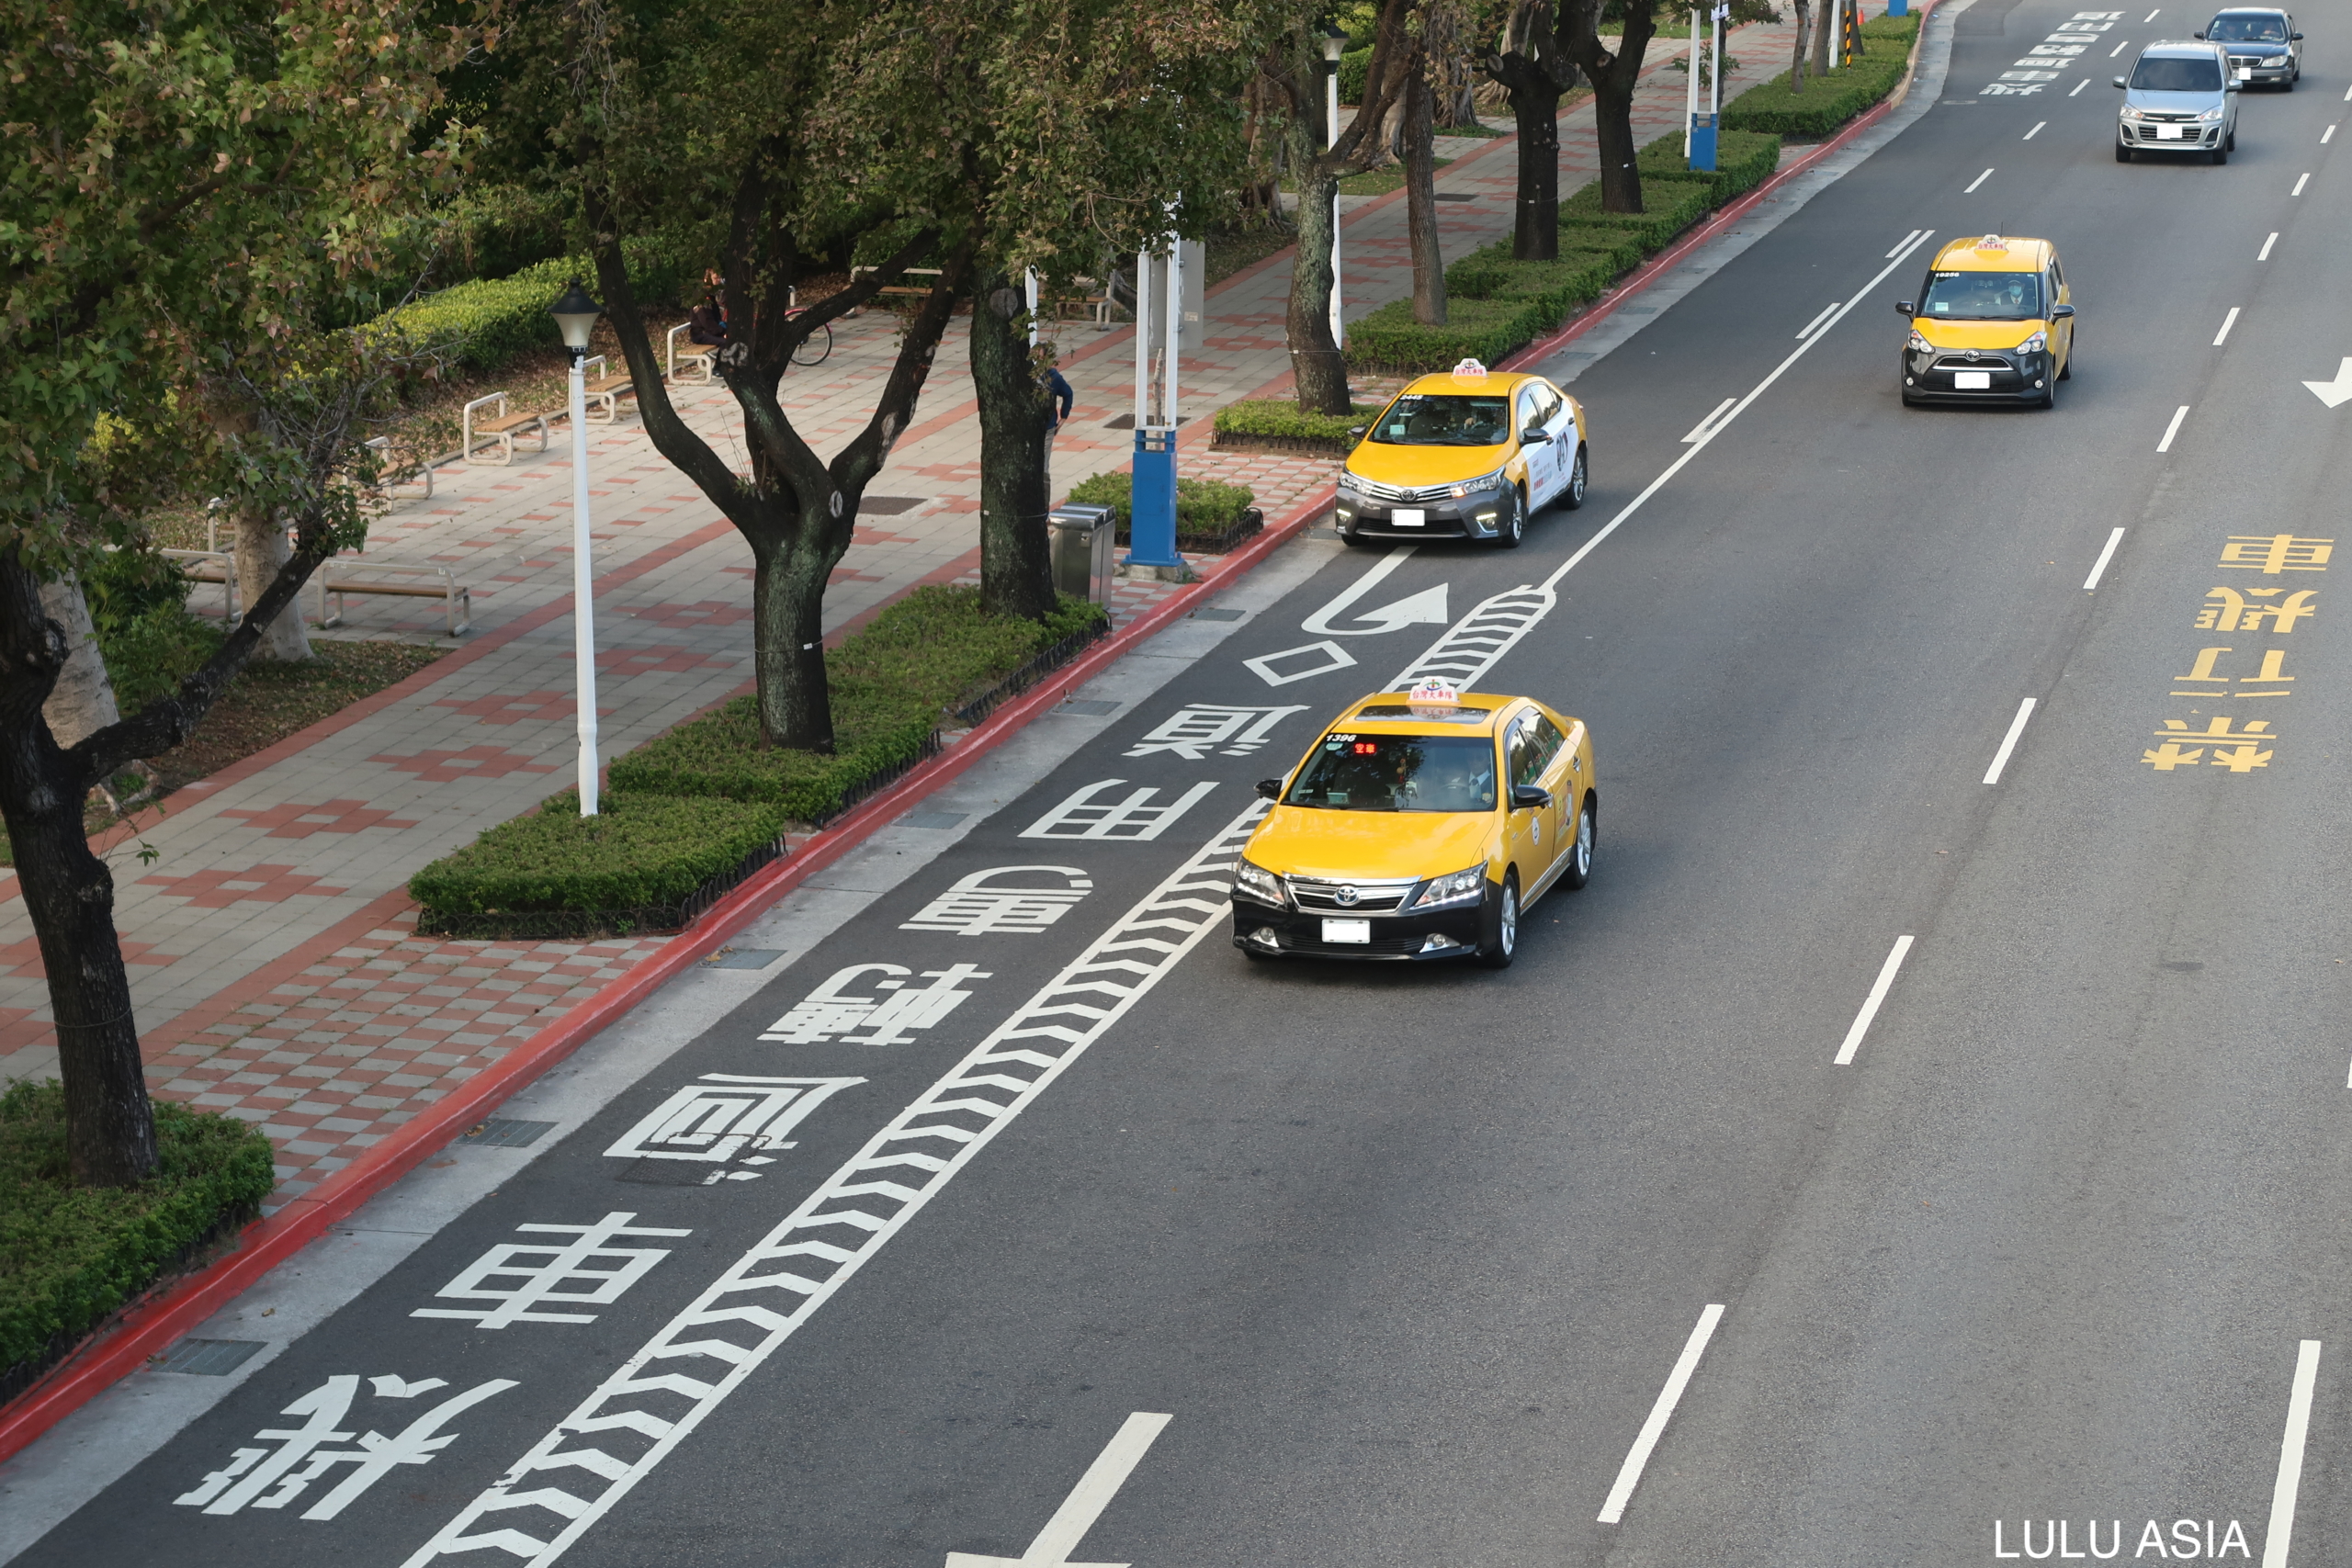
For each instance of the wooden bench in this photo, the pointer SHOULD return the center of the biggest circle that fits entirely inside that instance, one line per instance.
(502, 428)
(896, 287)
(211, 566)
(606, 392)
(382, 447)
(699, 356)
(341, 578)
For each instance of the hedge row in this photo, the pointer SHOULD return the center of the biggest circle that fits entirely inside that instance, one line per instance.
(1829, 102)
(1280, 419)
(71, 1255)
(1202, 506)
(493, 320)
(689, 805)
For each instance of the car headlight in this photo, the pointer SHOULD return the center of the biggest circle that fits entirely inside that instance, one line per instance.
(1478, 486)
(2037, 344)
(2131, 113)
(1255, 881)
(2273, 63)
(1347, 481)
(1457, 887)
(1919, 345)
(2213, 113)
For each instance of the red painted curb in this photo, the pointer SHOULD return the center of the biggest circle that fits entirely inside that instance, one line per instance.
(149, 1327)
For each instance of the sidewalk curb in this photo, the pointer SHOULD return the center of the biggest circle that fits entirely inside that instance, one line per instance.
(148, 1327)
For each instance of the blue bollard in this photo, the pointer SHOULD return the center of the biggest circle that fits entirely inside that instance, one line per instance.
(1702, 142)
(1151, 529)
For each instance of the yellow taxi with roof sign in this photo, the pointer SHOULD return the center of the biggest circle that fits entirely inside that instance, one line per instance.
(1469, 454)
(1420, 827)
(1995, 323)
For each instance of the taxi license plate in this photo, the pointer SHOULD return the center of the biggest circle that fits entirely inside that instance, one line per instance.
(1347, 930)
(1409, 516)
(2171, 133)
(1971, 380)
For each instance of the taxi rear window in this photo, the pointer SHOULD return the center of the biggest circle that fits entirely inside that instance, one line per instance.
(1433, 715)
(1355, 772)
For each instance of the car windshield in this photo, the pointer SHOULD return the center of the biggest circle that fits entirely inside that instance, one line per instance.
(1397, 772)
(2155, 75)
(1982, 297)
(2247, 30)
(1444, 419)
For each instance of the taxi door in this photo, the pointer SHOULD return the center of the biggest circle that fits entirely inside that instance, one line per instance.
(2062, 332)
(1543, 458)
(1534, 831)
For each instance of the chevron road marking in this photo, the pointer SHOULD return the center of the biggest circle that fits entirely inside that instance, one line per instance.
(574, 1475)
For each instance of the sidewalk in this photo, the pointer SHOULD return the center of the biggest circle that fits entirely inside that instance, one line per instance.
(274, 957)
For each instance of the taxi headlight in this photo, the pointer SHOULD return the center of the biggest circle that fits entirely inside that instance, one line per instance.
(2213, 113)
(1254, 881)
(1347, 481)
(1920, 345)
(1478, 486)
(1458, 888)
(2034, 344)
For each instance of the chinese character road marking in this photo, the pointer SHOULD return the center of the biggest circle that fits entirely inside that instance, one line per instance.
(2272, 674)
(721, 1115)
(251, 1471)
(1197, 728)
(2274, 553)
(588, 1259)
(585, 1464)
(830, 1012)
(1131, 820)
(2236, 750)
(979, 905)
(2229, 610)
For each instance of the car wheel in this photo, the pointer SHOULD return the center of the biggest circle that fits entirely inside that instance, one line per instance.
(2122, 154)
(2049, 398)
(2066, 371)
(2230, 142)
(1501, 944)
(1350, 537)
(1512, 526)
(1579, 870)
(1573, 497)
(2219, 155)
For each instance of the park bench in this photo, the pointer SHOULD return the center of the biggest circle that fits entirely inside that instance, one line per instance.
(700, 357)
(502, 427)
(897, 287)
(341, 578)
(606, 392)
(422, 473)
(211, 566)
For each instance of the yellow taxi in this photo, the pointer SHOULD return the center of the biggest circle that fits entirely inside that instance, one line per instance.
(1995, 323)
(1468, 454)
(1420, 825)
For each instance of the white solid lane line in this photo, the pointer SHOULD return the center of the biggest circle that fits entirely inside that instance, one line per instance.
(2173, 429)
(2280, 1534)
(2017, 727)
(1904, 242)
(1871, 1003)
(2099, 567)
(2227, 322)
(2300, 182)
(2266, 244)
(2035, 131)
(1826, 311)
(1977, 181)
(1629, 1475)
(1699, 431)
(2120, 45)
(2080, 85)
(1576, 559)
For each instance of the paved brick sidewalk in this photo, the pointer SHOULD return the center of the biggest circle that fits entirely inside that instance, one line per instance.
(273, 952)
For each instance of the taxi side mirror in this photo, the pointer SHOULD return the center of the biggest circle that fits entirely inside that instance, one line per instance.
(1533, 437)
(1270, 789)
(1526, 798)
(1903, 307)
(1355, 432)
(2060, 313)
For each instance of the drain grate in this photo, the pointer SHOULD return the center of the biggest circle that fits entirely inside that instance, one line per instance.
(935, 819)
(1216, 614)
(743, 957)
(209, 1358)
(502, 1132)
(1090, 709)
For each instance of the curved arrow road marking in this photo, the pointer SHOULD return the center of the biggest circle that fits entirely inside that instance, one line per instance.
(2336, 392)
(1428, 605)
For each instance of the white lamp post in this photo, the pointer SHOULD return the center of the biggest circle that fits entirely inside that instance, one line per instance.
(1335, 44)
(575, 317)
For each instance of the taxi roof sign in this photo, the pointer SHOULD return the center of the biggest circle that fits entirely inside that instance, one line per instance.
(1436, 691)
(1992, 243)
(1470, 368)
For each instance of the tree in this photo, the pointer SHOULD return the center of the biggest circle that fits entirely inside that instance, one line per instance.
(1420, 202)
(1614, 73)
(1016, 566)
(1797, 50)
(1535, 71)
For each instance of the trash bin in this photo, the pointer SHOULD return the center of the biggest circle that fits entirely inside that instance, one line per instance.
(1085, 541)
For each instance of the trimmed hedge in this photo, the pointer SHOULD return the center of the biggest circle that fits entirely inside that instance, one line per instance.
(1744, 160)
(1202, 506)
(493, 320)
(641, 851)
(1829, 102)
(71, 1255)
(1279, 419)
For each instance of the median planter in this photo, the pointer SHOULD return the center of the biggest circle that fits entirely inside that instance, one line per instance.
(1211, 516)
(1274, 424)
(1829, 102)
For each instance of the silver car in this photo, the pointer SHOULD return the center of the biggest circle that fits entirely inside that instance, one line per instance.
(2262, 43)
(2180, 97)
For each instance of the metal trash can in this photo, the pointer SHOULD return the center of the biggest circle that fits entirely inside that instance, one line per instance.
(1085, 543)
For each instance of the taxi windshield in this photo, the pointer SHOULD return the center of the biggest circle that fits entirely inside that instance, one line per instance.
(2247, 30)
(2156, 74)
(1397, 772)
(1982, 297)
(1444, 419)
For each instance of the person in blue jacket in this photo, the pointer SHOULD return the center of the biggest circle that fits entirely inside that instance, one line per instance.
(1058, 392)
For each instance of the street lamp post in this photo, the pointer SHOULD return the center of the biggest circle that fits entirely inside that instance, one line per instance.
(575, 317)
(1335, 44)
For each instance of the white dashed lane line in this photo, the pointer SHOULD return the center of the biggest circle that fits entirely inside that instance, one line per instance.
(2035, 131)
(2173, 429)
(2227, 322)
(2266, 244)
(2080, 85)
(1977, 181)
(2301, 180)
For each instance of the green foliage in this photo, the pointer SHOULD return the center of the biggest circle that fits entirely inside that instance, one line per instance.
(1744, 160)
(71, 1255)
(496, 230)
(1282, 419)
(490, 320)
(138, 601)
(1829, 102)
(1355, 74)
(1202, 506)
(641, 851)
(1665, 211)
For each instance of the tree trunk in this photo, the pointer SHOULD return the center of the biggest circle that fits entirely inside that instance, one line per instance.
(1620, 178)
(261, 550)
(1822, 36)
(1016, 563)
(1317, 364)
(789, 637)
(82, 702)
(110, 1126)
(1535, 225)
(1420, 204)
(1796, 55)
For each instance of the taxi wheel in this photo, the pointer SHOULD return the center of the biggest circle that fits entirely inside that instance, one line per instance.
(1350, 537)
(2066, 371)
(1501, 944)
(1573, 497)
(1579, 870)
(1512, 528)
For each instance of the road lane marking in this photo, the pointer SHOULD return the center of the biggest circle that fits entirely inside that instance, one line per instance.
(2227, 322)
(1871, 1003)
(1084, 1505)
(727, 1333)
(1700, 429)
(1905, 241)
(2275, 1540)
(2017, 725)
(1629, 1475)
(2348, 94)
(2099, 567)
(1826, 311)
(2035, 131)
(1319, 623)
(2264, 255)
(1977, 181)
(2173, 429)
(1474, 644)
(2151, 17)
(2080, 85)
(2120, 45)
(2327, 136)
(2300, 182)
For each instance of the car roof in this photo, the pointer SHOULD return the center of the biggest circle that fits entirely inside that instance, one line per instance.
(1408, 723)
(2250, 11)
(2169, 48)
(1493, 384)
(2016, 253)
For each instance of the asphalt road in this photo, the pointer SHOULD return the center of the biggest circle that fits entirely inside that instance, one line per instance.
(1406, 1254)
